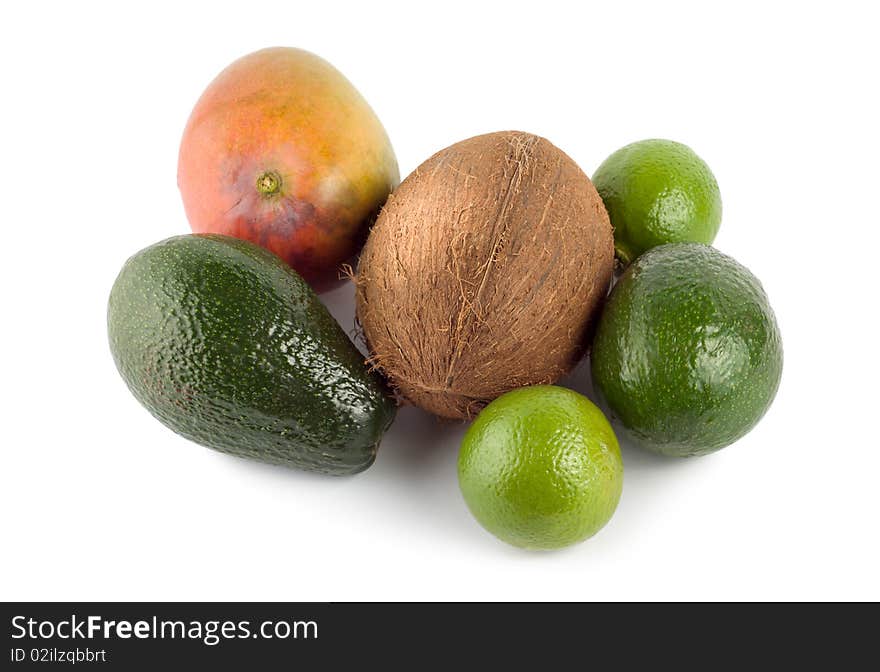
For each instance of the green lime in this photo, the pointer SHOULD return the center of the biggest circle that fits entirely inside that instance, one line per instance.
(657, 192)
(687, 353)
(540, 468)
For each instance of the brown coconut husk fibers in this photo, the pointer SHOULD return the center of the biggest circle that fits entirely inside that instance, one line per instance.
(484, 272)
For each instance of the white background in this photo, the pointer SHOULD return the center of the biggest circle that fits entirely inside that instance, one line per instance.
(99, 501)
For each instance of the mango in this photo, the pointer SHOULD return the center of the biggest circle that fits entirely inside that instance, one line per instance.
(283, 151)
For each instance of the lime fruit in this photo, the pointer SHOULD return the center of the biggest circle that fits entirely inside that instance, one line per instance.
(540, 468)
(657, 192)
(687, 353)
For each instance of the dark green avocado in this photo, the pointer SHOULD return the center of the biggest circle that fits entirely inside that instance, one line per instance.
(226, 345)
(687, 354)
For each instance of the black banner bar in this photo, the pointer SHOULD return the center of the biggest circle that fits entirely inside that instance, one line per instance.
(269, 636)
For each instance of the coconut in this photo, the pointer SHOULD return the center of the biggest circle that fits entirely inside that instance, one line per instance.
(484, 272)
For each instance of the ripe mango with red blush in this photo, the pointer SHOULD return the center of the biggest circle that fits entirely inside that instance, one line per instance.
(283, 151)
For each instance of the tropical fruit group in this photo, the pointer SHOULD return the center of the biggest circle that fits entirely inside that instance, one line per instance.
(480, 281)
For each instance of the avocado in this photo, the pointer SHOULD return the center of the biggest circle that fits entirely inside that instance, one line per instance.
(687, 354)
(226, 345)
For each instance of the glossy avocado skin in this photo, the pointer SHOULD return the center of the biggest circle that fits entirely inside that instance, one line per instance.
(226, 345)
(687, 354)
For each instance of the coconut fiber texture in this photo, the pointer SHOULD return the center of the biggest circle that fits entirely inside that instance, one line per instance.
(484, 272)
